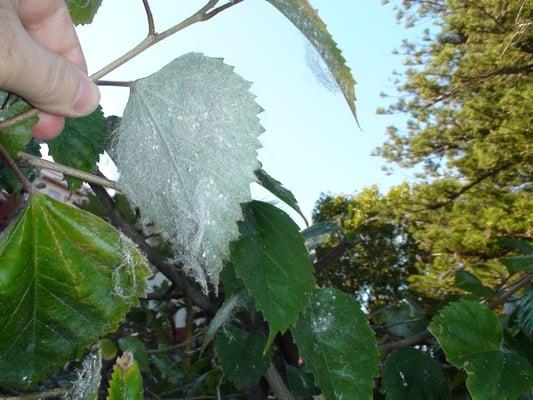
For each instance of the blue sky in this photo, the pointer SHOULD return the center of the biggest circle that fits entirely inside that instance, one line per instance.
(312, 143)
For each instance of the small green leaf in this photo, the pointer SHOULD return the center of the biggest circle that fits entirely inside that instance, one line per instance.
(405, 319)
(524, 312)
(80, 144)
(410, 374)
(277, 189)
(306, 19)
(338, 346)
(223, 316)
(469, 282)
(16, 137)
(137, 348)
(66, 278)
(108, 348)
(126, 382)
(241, 355)
(518, 263)
(83, 11)
(301, 383)
(317, 234)
(471, 337)
(271, 259)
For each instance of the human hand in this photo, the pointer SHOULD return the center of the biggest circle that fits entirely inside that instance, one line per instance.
(41, 61)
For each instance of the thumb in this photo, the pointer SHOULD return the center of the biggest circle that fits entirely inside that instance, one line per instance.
(45, 79)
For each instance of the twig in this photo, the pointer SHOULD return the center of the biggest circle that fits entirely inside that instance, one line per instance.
(114, 83)
(214, 12)
(18, 118)
(513, 288)
(16, 170)
(276, 383)
(51, 394)
(84, 176)
(149, 17)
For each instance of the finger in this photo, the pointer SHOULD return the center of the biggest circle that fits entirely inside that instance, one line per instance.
(49, 24)
(48, 127)
(45, 79)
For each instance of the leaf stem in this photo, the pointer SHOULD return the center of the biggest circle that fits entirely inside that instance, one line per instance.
(114, 83)
(76, 173)
(18, 118)
(276, 383)
(50, 394)
(149, 17)
(16, 170)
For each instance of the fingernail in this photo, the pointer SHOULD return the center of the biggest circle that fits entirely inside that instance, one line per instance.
(87, 98)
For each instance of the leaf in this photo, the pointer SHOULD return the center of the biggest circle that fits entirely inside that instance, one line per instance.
(186, 150)
(410, 374)
(300, 383)
(471, 337)
(317, 234)
(223, 316)
(518, 263)
(232, 284)
(241, 356)
(469, 282)
(108, 348)
(80, 144)
(16, 137)
(8, 180)
(277, 189)
(88, 379)
(66, 278)
(83, 11)
(137, 348)
(271, 259)
(306, 19)
(126, 381)
(524, 312)
(338, 346)
(405, 319)
(519, 245)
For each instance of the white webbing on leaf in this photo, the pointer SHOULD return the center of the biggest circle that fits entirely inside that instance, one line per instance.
(186, 151)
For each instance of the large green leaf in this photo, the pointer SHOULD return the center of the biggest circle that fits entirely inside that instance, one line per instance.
(524, 312)
(300, 383)
(83, 11)
(80, 144)
(306, 19)
(469, 282)
(338, 346)
(271, 259)
(409, 374)
(241, 355)
(277, 189)
(16, 137)
(471, 336)
(126, 381)
(186, 150)
(66, 278)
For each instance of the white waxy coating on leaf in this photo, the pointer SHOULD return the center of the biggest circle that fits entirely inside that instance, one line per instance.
(187, 151)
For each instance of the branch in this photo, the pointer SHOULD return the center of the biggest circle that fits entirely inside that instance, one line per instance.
(16, 170)
(276, 383)
(18, 118)
(127, 84)
(76, 173)
(51, 394)
(149, 17)
(513, 288)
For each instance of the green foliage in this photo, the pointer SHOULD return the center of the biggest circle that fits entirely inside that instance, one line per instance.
(300, 383)
(16, 137)
(66, 279)
(271, 259)
(405, 319)
(137, 349)
(524, 312)
(469, 282)
(471, 336)
(108, 348)
(126, 382)
(241, 355)
(83, 11)
(409, 374)
(337, 345)
(302, 14)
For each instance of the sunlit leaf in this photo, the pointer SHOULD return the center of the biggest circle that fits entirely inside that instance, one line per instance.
(126, 381)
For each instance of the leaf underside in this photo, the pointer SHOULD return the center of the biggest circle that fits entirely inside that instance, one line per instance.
(186, 150)
(83, 11)
(66, 278)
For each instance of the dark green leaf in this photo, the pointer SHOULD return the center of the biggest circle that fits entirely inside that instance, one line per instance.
(338, 346)
(8, 180)
(271, 259)
(301, 383)
(241, 355)
(232, 284)
(469, 282)
(404, 320)
(471, 336)
(126, 382)
(108, 348)
(66, 278)
(16, 137)
(306, 19)
(524, 312)
(277, 189)
(518, 263)
(80, 144)
(410, 374)
(83, 11)
(519, 245)
(137, 348)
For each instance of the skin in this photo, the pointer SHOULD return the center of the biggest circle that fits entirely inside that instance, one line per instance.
(42, 62)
